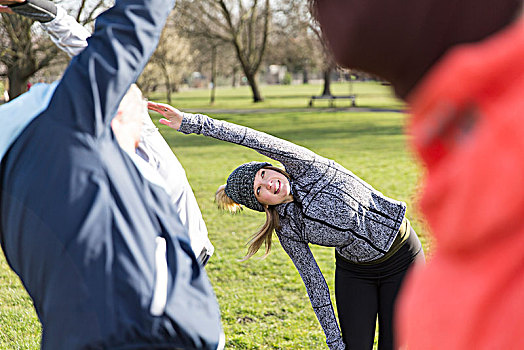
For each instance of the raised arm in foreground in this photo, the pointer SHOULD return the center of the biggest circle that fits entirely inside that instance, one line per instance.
(125, 36)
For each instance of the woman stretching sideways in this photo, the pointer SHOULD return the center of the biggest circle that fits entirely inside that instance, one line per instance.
(316, 200)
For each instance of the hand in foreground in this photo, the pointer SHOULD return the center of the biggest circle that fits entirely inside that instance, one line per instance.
(11, 2)
(4, 5)
(38, 10)
(172, 116)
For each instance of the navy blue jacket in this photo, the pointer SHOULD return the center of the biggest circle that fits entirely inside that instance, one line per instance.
(79, 224)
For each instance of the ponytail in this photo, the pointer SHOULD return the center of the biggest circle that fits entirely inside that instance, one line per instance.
(226, 203)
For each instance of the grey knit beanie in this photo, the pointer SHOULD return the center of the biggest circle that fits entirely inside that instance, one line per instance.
(239, 186)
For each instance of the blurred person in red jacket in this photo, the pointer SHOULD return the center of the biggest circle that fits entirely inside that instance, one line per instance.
(460, 67)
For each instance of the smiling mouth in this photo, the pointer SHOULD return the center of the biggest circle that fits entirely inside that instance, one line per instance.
(278, 188)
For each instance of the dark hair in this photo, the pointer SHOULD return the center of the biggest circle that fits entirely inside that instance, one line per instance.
(312, 5)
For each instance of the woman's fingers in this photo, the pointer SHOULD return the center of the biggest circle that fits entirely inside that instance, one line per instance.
(161, 108)
(172, 116)
(154, 106)
(164, 109)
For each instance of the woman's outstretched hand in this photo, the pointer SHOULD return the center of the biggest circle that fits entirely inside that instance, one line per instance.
(172, 116)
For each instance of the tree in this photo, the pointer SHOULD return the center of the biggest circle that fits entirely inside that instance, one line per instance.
(26, 50)
(293, 43)
(296, 48)
(217, 59)
(22, 52)
(298, 42)
(243, 24)
(169, 63)
(329, 62)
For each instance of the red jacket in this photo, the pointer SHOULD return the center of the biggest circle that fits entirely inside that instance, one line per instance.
(468, 129)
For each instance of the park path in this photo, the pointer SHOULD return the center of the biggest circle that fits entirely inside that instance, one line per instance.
(208, 110)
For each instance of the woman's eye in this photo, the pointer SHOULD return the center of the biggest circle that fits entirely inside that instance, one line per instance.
(258, 191)
(262, 174)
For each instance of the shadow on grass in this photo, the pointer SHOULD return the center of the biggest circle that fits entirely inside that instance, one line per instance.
(312, 134)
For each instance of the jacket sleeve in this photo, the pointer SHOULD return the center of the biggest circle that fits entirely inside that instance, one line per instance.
(156, 151)
(316, 286)
(71, 37)
(124, 38)
(67, 34)
(296, 159)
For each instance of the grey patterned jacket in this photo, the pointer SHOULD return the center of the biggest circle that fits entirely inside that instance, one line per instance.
(332, 207)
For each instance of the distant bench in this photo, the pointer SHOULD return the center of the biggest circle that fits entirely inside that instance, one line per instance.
(332, 99)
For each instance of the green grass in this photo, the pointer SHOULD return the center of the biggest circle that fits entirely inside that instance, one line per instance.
(19, 326)
(263, 302)
(369, 94)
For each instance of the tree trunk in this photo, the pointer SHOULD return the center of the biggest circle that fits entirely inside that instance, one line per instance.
(213, 74)
(168, 94)
(234, 79)
(17, 82)
(327, 82)
(305, 76)
(25, 54)
(250, 57)
(252, 80)
(167, 82)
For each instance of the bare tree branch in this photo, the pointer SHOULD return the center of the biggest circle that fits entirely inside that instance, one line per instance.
(80, 10)
(25, 51)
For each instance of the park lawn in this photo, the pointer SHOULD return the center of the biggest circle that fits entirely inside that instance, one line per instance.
(368, 94)
(263, 302)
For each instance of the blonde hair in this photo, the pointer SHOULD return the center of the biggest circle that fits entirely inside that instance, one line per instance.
(224, 202)
(265, 233)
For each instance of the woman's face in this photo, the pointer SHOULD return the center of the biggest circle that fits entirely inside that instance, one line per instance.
(271, 187)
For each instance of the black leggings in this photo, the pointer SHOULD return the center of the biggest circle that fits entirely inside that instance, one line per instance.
(364, 291)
